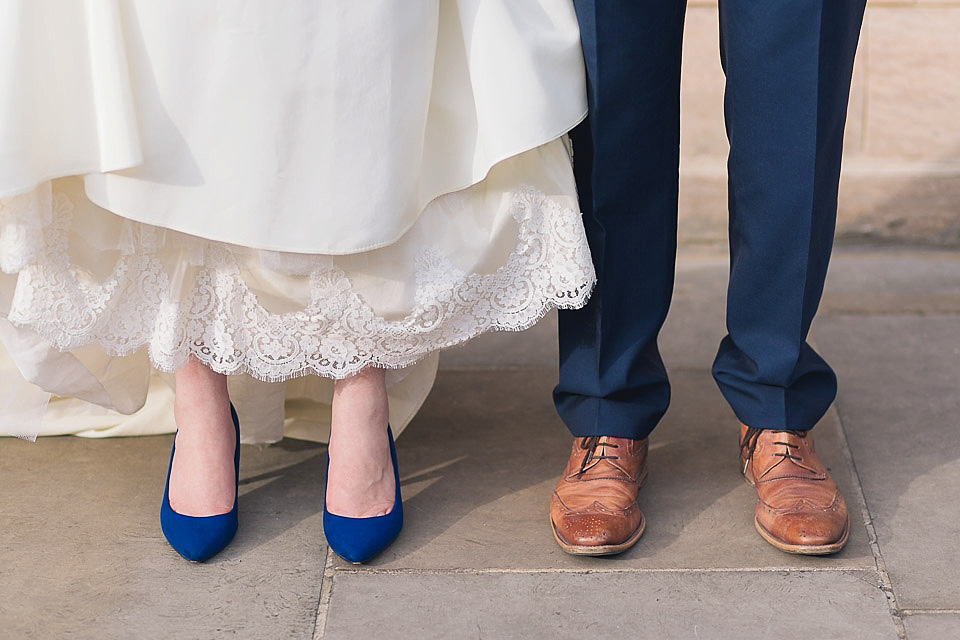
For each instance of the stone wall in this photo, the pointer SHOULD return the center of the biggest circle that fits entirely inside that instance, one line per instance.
(901, 174)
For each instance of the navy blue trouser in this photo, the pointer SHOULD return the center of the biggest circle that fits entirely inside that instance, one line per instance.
(788, 65)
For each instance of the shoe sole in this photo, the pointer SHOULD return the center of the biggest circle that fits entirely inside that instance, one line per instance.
(799, 549)
(603, 549)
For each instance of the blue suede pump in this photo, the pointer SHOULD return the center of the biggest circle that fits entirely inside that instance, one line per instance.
(359, 539)
(198, 538)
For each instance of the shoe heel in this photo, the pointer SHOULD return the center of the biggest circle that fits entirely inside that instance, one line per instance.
(197, 538)
(359, 539)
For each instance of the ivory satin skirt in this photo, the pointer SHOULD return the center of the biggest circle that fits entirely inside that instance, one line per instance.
(287, 191)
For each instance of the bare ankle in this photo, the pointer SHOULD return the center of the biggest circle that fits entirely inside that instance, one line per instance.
(360, 404)
(200, 393)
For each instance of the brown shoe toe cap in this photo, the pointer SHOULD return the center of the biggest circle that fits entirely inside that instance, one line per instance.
(804, 527)
(598, 527)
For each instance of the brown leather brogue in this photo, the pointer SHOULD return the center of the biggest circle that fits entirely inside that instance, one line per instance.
(594, 510)
(799, 508)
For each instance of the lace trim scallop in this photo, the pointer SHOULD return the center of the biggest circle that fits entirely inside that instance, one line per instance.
(221, 322)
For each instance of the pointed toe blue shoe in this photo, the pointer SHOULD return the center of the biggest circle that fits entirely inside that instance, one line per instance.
(197, 538)
(359, 539)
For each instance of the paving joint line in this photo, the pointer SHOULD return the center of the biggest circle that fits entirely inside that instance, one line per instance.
(411, 571)
(326, 592)
(899, 313)
(886, 585)
(924, 612)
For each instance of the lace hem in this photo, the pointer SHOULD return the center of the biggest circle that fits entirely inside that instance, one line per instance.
(222, 323)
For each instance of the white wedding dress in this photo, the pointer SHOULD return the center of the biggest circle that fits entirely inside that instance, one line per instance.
(280, 189)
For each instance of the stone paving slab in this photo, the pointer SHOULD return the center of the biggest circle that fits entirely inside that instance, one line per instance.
(662, 605)
(83, 556)
(933, 626)
(871, 281)
(899, 401)
(696, 322)
(477, 477)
